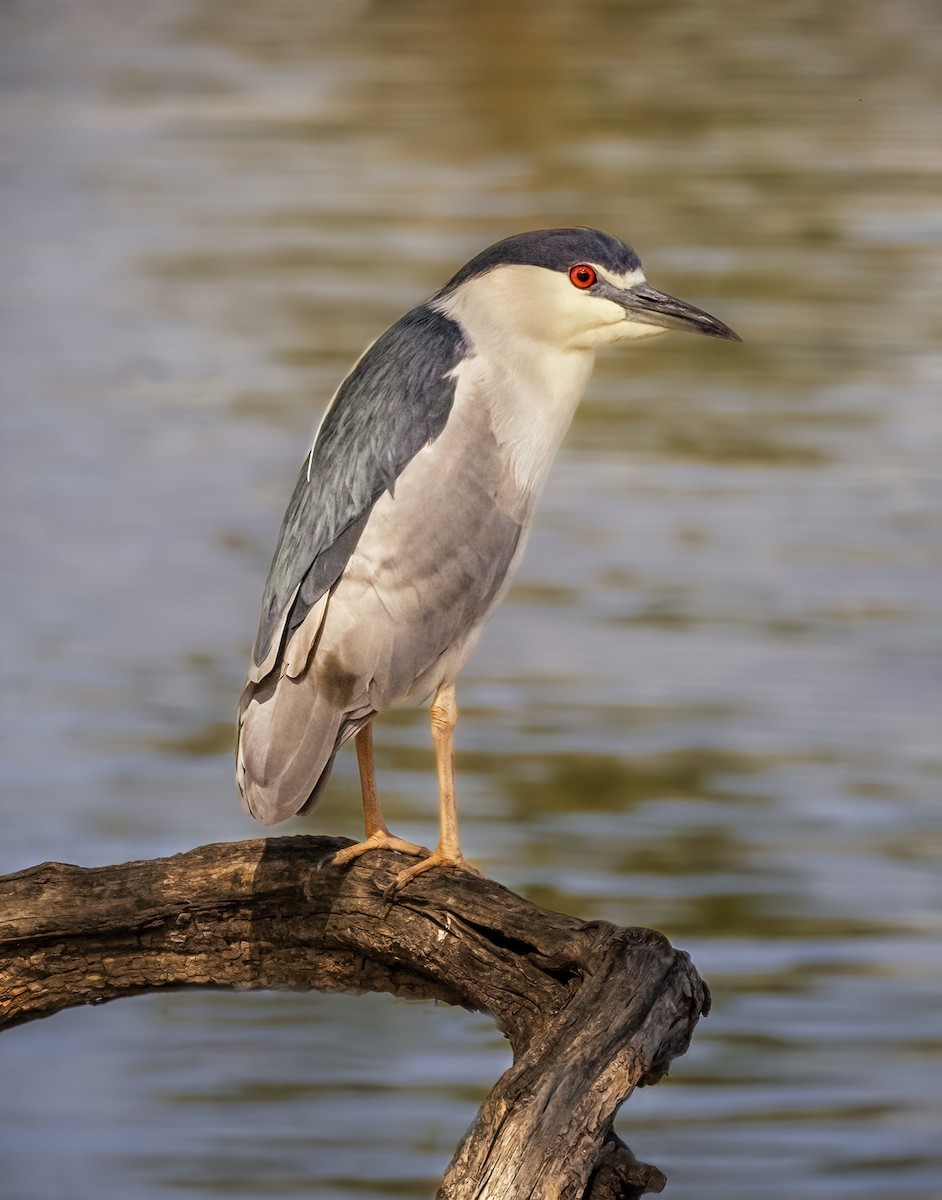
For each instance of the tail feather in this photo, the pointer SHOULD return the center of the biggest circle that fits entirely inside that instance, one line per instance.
(288, 737)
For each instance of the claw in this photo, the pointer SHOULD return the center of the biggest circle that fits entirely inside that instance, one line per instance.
(437, 859)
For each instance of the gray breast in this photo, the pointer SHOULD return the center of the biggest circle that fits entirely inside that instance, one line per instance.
(431, 564)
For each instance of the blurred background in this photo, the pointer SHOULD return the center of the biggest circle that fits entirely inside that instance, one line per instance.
(712, 703)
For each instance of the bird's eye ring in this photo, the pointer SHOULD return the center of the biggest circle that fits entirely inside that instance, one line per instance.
(582, 275)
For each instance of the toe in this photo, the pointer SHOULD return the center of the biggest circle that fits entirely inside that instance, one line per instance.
(437, 859)
(377, 841)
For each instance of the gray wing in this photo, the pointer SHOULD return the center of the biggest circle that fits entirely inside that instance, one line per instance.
(395, 401)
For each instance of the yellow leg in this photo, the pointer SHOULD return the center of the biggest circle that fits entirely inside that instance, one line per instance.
(372, 815)
(378, 836)
(448, 852)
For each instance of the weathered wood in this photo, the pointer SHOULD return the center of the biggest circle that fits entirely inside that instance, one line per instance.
(591, 1010)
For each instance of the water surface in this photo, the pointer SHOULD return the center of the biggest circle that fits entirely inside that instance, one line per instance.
(712, 702)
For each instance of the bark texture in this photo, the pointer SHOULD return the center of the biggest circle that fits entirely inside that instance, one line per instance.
(591, 1010)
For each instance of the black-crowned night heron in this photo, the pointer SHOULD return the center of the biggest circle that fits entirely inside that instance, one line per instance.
(411, 511)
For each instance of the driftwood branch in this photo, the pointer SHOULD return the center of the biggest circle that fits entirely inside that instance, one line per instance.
(591, 1010)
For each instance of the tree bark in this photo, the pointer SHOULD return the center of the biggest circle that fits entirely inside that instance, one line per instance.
(591, 1010)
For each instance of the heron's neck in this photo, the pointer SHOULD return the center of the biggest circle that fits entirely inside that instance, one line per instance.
(530, 385)
(532, 396)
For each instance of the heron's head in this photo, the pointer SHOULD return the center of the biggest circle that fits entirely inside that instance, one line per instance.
(571, 288)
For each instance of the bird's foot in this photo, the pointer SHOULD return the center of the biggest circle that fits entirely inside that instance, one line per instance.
(437, 859)
(381, 840)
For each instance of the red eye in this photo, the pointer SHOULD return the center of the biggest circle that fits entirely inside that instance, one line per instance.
(582, 275)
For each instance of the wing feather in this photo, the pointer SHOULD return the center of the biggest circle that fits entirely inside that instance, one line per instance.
(395, 401)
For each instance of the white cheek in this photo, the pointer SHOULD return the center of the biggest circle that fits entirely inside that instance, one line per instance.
(591, 321)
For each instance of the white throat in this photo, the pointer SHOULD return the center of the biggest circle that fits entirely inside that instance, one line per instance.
(533, 400)
(530, 382)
